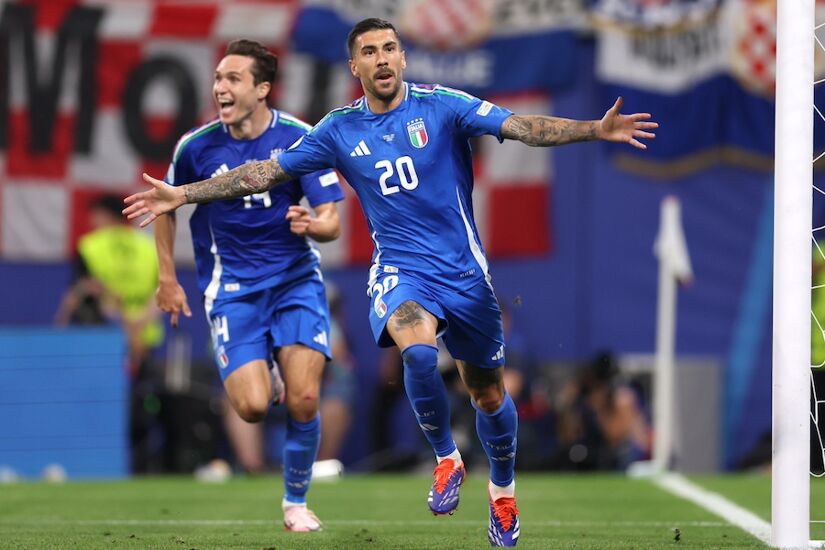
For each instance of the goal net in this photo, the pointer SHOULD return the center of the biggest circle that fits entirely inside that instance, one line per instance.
(817, 465)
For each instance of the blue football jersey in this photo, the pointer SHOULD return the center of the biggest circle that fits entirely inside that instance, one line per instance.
(412, 171)
(244, 245)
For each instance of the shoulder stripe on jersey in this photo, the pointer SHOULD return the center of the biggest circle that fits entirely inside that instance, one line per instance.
(290, 120)
(462, 93)
(420, 90)
(439, 89)
(357, 105)
(189, 136)
(443, 90)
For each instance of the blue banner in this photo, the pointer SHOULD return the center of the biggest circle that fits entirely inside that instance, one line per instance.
(520, 52)
(706, 71)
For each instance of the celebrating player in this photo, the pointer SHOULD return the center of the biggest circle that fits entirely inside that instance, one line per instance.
(404, 149)
(258, 272)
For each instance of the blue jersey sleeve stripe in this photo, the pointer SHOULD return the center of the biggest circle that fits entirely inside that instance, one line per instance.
(442, 90)
(418, 92)
(453, 93)
(189, 136)
(290, 120)
(357, 105)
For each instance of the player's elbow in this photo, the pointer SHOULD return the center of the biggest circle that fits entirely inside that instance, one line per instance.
(329, 231)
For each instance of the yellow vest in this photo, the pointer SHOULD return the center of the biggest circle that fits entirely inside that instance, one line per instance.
(818, 308)
(124, 261)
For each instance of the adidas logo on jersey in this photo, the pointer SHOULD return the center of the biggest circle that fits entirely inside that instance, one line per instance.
(222, 169)
(499, 354)
(361, 150)
(321, 338)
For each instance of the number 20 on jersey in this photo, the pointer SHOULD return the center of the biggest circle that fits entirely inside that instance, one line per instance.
(405, 169)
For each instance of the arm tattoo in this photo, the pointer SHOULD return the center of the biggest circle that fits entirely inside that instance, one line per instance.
(252, 177)
(543, 131)
(407, 315)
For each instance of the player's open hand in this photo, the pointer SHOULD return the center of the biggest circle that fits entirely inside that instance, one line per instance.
(299, 219)
(160, 199)
(171, 298)
(617, 127)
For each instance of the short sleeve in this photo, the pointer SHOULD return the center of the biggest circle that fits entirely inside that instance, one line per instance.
(474, 116)
(180, 170)
(312, 152)
(321, 187)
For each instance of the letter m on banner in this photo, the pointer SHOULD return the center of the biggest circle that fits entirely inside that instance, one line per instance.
(79, 27)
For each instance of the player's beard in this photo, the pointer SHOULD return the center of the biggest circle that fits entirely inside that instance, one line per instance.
(389, 95)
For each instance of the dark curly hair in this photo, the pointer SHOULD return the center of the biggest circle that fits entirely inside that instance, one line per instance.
(266, 63)
(366, 25)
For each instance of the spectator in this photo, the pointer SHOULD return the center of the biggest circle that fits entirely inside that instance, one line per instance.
(601, 425)
(115, 278)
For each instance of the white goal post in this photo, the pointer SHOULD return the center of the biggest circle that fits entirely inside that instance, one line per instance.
(790, 491)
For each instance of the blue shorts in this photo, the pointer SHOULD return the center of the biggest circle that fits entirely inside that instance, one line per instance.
(469, 321)
(255, 325)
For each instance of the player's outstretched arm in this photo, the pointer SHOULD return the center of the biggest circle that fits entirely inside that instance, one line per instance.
(545, 131)
(249, 178)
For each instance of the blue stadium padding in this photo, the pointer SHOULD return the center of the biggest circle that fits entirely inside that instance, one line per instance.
(752, 322)
(64, 400)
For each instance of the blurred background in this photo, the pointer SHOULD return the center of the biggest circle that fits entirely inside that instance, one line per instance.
(92, 93)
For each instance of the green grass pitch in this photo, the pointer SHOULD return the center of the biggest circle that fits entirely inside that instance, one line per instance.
(374, 511)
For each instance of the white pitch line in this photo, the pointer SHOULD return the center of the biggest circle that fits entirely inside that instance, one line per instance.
(344, 522)
(716, 504)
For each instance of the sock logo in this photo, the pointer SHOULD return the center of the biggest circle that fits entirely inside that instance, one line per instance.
(500, 447)
(505, 458)
(298, 484)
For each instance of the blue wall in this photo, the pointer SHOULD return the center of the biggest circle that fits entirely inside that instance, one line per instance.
(64, 401)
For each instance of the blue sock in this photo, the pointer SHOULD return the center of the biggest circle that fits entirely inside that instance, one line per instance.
(302, 439)
(497, 432)
(428, 396)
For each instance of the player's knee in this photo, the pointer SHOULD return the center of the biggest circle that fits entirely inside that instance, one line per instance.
(303, 404)
(251, 409)
(488, 400)
(420, 359)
